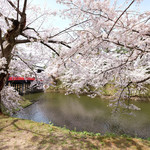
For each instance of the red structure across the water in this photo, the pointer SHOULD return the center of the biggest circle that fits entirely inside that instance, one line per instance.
(20, 79)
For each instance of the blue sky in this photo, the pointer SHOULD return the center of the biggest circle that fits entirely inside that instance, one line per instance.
(56, 21)
(145, 4)
(61, 23)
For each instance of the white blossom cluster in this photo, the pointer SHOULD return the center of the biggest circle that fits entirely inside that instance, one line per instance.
(2, 64)
(111, 46)
(106, 49)
(10, 99)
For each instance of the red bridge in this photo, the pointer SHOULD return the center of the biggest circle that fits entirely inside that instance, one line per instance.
(20, 79)
(20, 84)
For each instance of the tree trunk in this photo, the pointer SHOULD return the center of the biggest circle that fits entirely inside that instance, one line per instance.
(0, 105)
(8, 47)
(8, 43)
(2, 83)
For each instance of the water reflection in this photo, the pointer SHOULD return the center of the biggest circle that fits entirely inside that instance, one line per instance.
(86, 114)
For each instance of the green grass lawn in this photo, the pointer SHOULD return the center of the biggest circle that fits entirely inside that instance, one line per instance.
(19, 134)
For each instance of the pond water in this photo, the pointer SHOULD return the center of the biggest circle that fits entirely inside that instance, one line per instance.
(86, 114)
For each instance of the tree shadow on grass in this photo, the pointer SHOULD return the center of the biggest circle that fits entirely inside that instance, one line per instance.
(22, 129)
(37, 137)
(13, 123)
(123, 143)
(90, 142)
(105, 142)
(8, 124)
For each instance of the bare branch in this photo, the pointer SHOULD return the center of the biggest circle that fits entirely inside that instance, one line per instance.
(96, 14)
(69, 28)
(36, 19)
(18, 11)
(120, 17)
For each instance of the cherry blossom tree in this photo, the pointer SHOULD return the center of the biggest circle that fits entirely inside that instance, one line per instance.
(110, 45)
(22, 30)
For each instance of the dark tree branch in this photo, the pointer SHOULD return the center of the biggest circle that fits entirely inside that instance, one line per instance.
(24, 7)
(6, 19)
(147, 34)
(59, 42)
(22, 41)
(129, 47)
(49, 41)
(28, 28)
(50, 48)
(141, 81)
(1, 42)
(35, 39)
(18, 11)
(127, 87)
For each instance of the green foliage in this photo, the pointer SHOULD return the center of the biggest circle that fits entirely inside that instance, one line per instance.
(111, 135)
(148, 139)
(57, 87)
(4, 110)
(51, 126)
(25, 102)
(108, 89)
(122, 50)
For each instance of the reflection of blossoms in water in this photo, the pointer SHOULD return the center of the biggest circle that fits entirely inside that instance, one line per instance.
(88, 114)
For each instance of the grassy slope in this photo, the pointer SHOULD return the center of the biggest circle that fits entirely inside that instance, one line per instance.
(18, 134)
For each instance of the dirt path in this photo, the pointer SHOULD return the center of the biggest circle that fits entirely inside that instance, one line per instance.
(18, 134)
